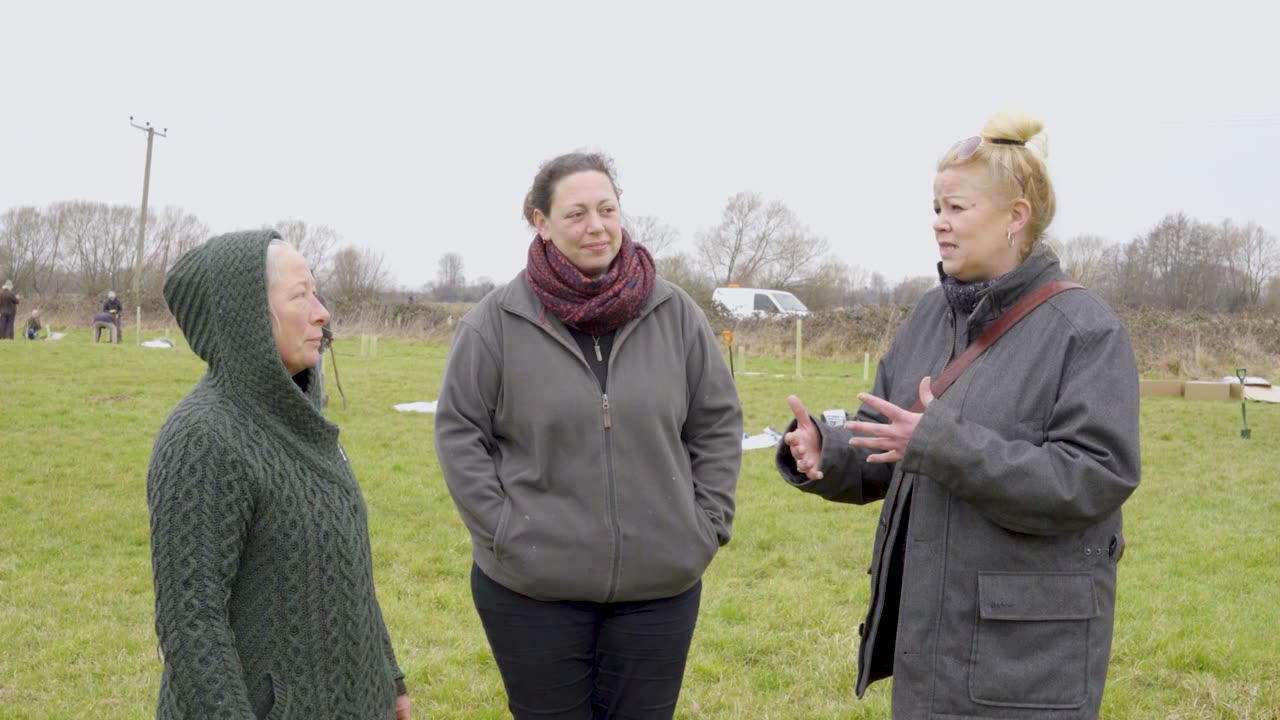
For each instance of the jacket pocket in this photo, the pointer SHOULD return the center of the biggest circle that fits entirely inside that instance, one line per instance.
(1031, 642)
(708, 530)
(500, 532)
(272, 701)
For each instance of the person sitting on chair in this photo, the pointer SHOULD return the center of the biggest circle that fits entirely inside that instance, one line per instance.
(105, 321)
(34, 327)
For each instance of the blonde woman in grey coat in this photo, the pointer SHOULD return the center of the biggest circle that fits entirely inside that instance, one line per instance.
(993, 573)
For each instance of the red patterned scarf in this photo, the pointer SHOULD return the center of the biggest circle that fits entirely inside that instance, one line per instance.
(594, 306)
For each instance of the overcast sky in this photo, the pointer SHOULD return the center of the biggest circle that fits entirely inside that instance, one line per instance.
(416, 128)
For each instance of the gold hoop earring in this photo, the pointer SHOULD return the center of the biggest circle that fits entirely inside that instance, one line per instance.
(1008, 235)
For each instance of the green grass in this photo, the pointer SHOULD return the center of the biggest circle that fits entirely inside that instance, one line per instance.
(1199, 585)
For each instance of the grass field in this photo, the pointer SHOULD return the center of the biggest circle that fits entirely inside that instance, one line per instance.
(1198, 610)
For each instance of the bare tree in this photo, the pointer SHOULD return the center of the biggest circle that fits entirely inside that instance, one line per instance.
(878, 290)
(647, 230)
(748, 239)
(315, 242)
(100, 243)
(1165, 265)
(1184, 264)
(826, 287)
(1271, 296)
(1252, 258)
(169, 237)
(1082, 258)
(25, 247)
(450, 280)
(910, 290)
(356, 275)
(1261, 251)
(795, 259)
(683, 270)
(1127, 279)
(476, 291)
(856, 277)
(1188, 269)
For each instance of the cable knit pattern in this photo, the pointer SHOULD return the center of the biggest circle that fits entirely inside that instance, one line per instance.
(265, 603)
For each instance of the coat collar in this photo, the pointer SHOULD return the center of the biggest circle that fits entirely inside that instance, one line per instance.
(1040, 268)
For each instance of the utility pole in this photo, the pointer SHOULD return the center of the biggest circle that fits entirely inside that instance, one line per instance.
(142, 224)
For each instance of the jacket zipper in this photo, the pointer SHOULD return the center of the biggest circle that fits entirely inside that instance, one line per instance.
(614, 520)
(615, 524)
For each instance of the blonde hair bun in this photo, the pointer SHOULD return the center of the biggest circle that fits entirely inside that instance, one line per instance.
(1018, 125)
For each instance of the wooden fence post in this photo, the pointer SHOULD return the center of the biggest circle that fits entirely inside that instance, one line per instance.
(799, 345)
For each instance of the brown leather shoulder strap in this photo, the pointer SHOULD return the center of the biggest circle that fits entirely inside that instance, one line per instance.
(1007, 320)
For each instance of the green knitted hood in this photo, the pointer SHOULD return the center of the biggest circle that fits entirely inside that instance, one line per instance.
(218, 294)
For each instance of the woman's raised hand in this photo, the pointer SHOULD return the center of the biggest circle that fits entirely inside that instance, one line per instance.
(893, 437)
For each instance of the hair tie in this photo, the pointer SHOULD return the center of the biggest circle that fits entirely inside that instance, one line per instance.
(1006, 141)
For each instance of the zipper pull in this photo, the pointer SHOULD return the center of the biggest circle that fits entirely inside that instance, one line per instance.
(607, 423)
(596, 340)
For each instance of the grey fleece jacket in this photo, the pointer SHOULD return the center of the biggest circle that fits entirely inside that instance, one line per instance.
(265, 603)
(574, 494)
(993, 574)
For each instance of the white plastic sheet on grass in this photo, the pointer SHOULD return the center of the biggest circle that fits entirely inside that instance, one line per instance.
(767, 439)
(418, 407)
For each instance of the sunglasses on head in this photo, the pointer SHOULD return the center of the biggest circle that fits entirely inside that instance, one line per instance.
(965, 149)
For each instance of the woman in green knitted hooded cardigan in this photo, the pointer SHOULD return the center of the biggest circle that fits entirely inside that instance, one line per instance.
(265, 603)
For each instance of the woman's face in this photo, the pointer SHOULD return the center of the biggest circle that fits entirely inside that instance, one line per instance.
(973, 223)
(297, 315)
(585, 221)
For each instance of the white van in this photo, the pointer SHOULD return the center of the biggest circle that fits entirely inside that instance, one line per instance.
(758, 302)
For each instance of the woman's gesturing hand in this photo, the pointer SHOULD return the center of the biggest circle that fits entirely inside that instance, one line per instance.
(893, 437)
(805, 441)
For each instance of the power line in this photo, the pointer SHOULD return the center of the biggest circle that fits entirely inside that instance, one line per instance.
(1259, 120)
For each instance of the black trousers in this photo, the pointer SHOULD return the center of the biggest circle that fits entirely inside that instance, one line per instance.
(569, 660)
(6, 327)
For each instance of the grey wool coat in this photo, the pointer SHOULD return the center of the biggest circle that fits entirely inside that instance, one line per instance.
(993, 574)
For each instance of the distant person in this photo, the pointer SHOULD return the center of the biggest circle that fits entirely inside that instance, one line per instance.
(112, 305)
(8, 309)
(993, 573)
(105, 322)
(33, 326)
(265, 603)
(590, 434)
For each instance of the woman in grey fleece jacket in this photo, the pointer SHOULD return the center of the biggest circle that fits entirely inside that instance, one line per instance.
(993, 574)
(590, 434)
